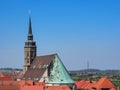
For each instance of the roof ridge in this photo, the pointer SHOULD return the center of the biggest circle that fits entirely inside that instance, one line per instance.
(47, 55)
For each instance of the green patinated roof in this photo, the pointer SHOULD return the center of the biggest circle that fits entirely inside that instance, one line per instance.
(58, 73)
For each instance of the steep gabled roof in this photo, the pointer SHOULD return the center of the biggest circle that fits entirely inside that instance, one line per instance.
(80, 84)
(90, 85)
(57, 73)
(104, 83)
(38, 67)
(41, 61)
(33, 74)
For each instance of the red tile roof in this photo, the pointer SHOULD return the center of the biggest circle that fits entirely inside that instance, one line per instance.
(5, 79)
(57, 88)
(88, 85)
(105, 83)
(1, 74)
(91, 85)
(12, 75)
(82, 84)
(9, 85)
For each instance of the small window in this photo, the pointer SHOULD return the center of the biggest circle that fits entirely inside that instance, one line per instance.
(105, 89)
(61, 79)
(29, 78)
(36, 79)
(45, 66)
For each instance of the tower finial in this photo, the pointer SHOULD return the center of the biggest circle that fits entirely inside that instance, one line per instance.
(30, 26)
(30, 36)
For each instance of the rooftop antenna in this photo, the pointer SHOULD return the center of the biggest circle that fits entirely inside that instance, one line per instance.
(88, 71)
(88, 65)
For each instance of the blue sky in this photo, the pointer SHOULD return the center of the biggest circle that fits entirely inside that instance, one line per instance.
(78, 30)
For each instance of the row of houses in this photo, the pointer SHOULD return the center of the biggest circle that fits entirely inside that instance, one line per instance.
(8, 83)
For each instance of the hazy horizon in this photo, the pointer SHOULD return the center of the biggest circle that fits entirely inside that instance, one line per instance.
(77, 30)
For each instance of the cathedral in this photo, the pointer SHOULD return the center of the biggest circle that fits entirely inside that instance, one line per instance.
(47, 68)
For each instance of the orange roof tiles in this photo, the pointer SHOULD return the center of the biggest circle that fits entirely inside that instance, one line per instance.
(13, 75)
(57, 88)
(85, 84)
(9, 85)
(5, 78)
(30, 85)
(105, 83)
(91, 85)
(88, 85)
(1, 74)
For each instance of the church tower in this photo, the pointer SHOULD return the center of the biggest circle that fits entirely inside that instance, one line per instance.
(29, 49)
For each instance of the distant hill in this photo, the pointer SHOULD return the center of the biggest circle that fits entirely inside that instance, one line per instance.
(10, 69)
(95, 71)
(72, 71)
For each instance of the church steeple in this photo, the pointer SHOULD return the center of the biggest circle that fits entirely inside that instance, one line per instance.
(30, 36)
(30, 48)
(30, 42)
